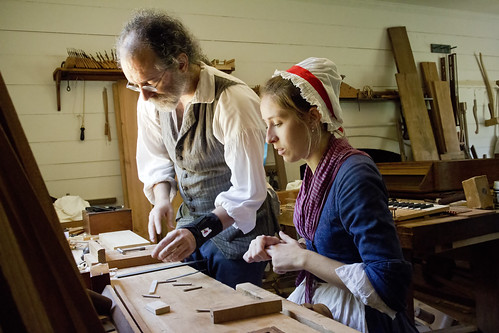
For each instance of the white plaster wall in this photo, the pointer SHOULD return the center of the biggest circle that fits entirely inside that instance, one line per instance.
(261, 35)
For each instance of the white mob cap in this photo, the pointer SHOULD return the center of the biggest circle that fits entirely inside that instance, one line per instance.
(319, 84)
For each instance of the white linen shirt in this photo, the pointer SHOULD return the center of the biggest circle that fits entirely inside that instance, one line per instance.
(237, 125)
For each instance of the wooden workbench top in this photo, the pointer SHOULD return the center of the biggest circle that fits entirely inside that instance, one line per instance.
(183, 316)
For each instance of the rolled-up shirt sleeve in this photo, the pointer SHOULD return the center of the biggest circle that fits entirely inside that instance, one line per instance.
(153, 163)
(238, 125)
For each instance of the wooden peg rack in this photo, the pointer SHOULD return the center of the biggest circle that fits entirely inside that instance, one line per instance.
(83, 74)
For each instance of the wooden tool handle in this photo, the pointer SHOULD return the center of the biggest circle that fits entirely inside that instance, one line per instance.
(107, 130)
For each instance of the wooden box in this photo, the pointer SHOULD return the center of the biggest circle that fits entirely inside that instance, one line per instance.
(99, 222)
(477, 192)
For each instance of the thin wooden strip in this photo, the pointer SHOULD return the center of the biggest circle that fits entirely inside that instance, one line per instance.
(154, 285)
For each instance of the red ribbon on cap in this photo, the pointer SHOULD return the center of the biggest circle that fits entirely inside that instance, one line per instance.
(316, 84)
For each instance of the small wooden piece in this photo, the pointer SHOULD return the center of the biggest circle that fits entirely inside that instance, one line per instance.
(259, 308)
(97, 251)
(152, 288)
(193, 288)
(347, 91)
(477, 192)
(158, 307)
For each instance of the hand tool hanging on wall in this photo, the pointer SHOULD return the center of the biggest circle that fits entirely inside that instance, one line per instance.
(492, 121)
(475, 114)
(107, 130)
(463, 125)
(443, 69)
(454, 85)
(82, 127)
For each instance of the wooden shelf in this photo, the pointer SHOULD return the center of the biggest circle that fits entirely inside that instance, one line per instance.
(84, 75)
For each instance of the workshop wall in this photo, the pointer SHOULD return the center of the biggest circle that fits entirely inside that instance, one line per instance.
(261, 35)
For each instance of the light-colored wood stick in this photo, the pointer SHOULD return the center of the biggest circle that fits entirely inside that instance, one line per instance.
(152, 288)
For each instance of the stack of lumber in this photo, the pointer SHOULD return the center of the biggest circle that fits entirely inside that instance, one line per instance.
(433, 136)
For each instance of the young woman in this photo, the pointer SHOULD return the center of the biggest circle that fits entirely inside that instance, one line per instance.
(352, 262)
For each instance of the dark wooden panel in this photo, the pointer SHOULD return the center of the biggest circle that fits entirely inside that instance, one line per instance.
(35, 257)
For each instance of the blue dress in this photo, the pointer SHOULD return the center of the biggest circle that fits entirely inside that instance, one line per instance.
(356, 226)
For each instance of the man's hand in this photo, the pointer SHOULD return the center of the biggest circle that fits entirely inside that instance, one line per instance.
(176, 246)
(257, 250)
(162, 209)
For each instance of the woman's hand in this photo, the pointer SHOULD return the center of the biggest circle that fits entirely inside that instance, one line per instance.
(257, 249)
(287, 255)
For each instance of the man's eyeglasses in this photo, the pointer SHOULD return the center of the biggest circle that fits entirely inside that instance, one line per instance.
(147, 87)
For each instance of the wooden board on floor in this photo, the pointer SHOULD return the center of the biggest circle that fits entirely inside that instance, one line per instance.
(416, 117)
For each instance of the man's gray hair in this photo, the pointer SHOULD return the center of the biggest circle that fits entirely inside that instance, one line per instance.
(164, 34)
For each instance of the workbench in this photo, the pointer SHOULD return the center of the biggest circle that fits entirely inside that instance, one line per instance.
(190, 310)
(476, 232)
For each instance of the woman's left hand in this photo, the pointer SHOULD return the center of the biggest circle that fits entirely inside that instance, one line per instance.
(288, 255)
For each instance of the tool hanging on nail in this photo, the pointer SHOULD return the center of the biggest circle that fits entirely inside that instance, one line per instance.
(475, 114)
(82, 127)
(492, 121)
(107, 130)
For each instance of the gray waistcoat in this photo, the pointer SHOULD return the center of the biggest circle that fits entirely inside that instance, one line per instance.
(202, 173)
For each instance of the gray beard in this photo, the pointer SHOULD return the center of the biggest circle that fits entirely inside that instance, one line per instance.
(165, 103)
(169, 101)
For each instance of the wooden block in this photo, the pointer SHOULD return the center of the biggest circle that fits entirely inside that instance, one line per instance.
(121, 239)
(158, 307)
(347, 91)
(97, 251)
(131, 259)
(258, 308)
(416, 116)
(100, 222)
(477, 192)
